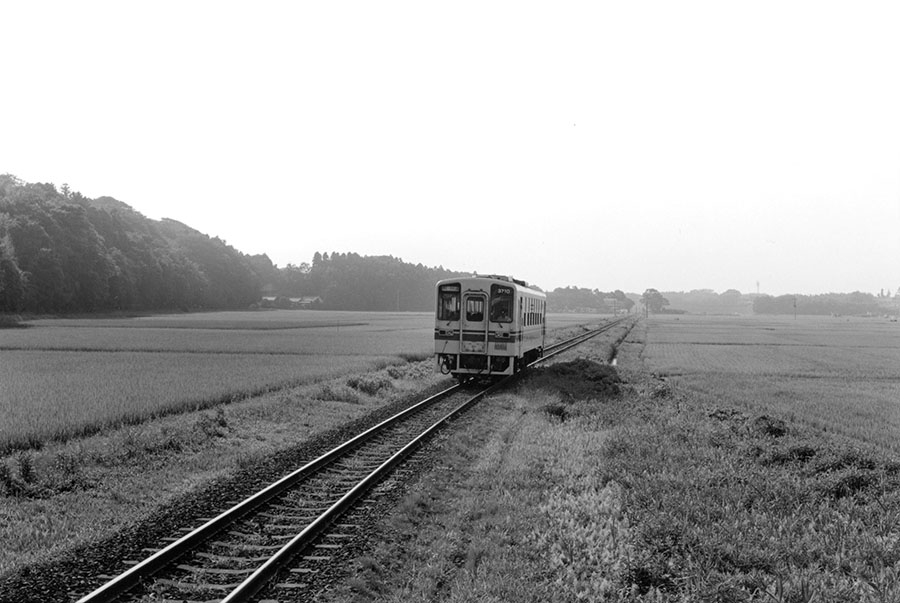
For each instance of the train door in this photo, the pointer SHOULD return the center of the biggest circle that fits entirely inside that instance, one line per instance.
(474, 323)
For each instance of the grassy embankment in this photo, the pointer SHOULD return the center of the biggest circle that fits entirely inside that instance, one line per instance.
(561, 492)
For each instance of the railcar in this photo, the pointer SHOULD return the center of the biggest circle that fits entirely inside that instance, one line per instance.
(488, 326)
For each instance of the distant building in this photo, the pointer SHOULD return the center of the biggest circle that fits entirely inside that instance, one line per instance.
(290, 303)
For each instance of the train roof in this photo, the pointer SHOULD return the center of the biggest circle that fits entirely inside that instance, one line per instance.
(503, 277)
(495, 277)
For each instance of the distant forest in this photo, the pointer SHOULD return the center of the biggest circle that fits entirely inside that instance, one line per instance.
(62, 253)
(851, 304)
(706, 301)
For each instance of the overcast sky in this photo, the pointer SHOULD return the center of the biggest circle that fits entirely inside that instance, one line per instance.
(610, 145)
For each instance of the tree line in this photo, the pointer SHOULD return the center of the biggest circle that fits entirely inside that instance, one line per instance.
(732, 301)
(349, 281)
(580, 299)
(856, 304)
(61, 252)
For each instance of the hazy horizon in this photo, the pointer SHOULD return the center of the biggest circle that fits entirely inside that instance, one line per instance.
(697, 145)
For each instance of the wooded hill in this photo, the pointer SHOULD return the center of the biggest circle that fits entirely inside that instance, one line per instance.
(61, 252)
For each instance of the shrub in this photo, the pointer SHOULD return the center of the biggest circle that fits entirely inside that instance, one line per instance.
(370, 385)
(10, 485)
(12, 321)
(415, 356)
(337, 393)
(557, 411)
(211, 425)
(797, 453)
(579, 379)
(768, 426)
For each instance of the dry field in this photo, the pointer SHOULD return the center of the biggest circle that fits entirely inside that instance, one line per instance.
(836, 374)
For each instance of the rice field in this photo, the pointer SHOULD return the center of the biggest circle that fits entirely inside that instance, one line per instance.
(66, 377)
(62, 378)
(837, 374)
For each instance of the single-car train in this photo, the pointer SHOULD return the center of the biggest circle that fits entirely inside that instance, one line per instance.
(488, 326)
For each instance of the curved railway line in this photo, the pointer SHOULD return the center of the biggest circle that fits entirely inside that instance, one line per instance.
(291, 528)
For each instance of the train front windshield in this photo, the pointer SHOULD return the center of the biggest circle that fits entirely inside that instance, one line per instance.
(501, 303)
(448, 302)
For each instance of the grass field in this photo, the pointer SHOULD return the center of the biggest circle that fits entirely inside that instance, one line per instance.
(63, 378)
(836, 374)
(690, 485)
(67, 377)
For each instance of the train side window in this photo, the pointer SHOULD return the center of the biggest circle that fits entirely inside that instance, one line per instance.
(448, 302)
(474, 309)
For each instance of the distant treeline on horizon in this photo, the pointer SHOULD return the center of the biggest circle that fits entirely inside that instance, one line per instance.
(63, 253)
(707, 301)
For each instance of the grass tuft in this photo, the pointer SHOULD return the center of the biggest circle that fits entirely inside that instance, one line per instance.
(370, 384)
(769, 426)
(336, 392)
(555, 411)
(579, 379)
(412, 357)
(212, 425)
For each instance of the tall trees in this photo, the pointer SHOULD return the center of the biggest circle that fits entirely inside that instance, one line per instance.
(579, 299)
(654, 300)
(61, 252)
(348, 281)
(12, 287)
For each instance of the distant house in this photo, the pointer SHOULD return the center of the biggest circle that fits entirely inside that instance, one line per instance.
(290, 303)
(307, 302)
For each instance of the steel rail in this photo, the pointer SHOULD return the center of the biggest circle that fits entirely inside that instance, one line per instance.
(134, 575)
(258, 579)
(568, 344)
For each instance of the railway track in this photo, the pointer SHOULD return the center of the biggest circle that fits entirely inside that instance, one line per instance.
(291, 528)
